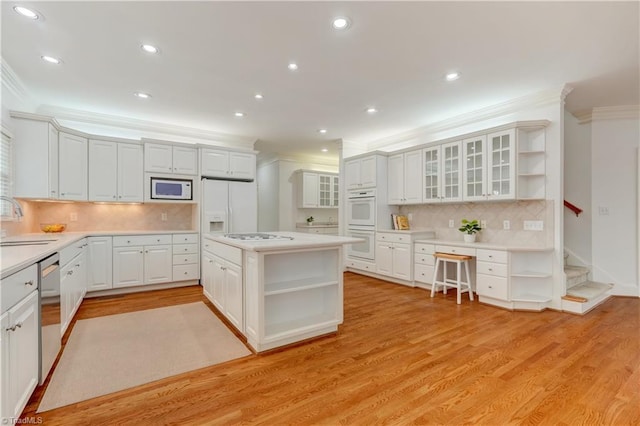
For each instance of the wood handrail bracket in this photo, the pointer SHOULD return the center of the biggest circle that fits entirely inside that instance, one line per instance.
(573, 208)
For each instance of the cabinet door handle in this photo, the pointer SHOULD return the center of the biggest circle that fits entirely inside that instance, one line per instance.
(70, 272)
(146, 251)
(491, 269)
(18, 325)
(141, 251)
(30, 282)
(11, 328)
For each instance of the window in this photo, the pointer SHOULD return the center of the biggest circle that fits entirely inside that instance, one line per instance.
(6, 174)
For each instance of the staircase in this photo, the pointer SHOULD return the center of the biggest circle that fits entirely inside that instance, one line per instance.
(582, 294)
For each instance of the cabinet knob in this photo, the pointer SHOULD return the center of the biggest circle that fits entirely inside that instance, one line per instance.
(185, 272)
(30, 282)
(119, 196)
(491, 269)
(18, 325)
(146, 251)
(114, 196)
(141, 251)
(128, 241)
(186, 249)
(62, 193)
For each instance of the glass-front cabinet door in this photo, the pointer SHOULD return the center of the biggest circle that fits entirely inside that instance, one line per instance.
(475, 163)
(335, 187)
(451, 171)
(325, 190)
(431, 189)
(501, 165)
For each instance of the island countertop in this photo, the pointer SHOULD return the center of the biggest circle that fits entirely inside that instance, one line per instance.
(293, 240)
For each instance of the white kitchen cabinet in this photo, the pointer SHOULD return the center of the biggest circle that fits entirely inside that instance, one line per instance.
(362, 172)
(100, 263)
(474, 175)
(394, 255)
(218, 163)
(424, 264)
(73, 167)
(224, 281)
(492, 274)
(489, 166)
(166, 158)
(404, 184)
(73, 280)
(531, 160)
(142, 259)
(442, 177)
(531, 279)
(20, 347)
(317, 190)
(115, 171)
(185, 257)
(36, 152)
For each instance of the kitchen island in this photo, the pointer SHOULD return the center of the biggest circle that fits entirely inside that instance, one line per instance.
(278, 290)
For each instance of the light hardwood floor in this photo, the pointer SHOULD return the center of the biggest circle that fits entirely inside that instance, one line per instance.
(399, 358)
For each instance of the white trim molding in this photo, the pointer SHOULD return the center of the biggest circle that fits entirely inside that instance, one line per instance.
(14, 85)
(608, 113)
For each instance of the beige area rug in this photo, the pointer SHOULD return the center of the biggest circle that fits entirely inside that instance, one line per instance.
(116, 352)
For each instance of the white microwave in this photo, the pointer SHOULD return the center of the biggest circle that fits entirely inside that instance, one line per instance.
(171, 189)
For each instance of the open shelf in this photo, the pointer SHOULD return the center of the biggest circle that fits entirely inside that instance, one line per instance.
(530, 297)
(278, 330)
(292, 270)
(296, 285)
(531, 274)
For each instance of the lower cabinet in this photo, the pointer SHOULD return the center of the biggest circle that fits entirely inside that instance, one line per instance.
(73, 281)
(424, 264)
(100, 263)
(394, 255)
(142, 259)
(19, 341)
(223, 281)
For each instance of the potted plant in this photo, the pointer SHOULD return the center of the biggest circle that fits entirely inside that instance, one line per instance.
(310, 220)
(469, 228)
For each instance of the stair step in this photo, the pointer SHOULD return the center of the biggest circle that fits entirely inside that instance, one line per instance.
(575, 271)
(588, 290)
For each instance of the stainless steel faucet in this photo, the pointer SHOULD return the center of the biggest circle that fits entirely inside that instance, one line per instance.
(17, 208)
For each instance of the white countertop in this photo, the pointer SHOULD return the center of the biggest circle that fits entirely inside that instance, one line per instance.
(427, 232)
(15, 258)
(300, 241)
(317, 225)
(481, 245)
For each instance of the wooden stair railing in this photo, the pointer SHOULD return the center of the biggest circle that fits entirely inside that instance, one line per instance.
(573, 208)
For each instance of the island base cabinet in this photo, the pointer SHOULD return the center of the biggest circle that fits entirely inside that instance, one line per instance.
(292, 295)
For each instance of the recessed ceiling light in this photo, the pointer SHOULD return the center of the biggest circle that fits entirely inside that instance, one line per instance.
(142, 95)
(239, 114)
(452, 76)
(324, 150)
(372, 110)
(341, 23)
(51, 59)
(292, 66)
(26, 12)
(323, 131)
(258, 96)
(149, 48)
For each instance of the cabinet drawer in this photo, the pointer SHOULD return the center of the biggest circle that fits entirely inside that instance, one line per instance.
(185, 272)
(232, 254)
(423, 273)
(496, 256)
(456, 250)
(358, 264)
(185, 259)
(488, 268)
(185, 239)
(141, 240)
(71, 251)
(17, 286)
(185, 248)
(425, 248)
(393, 237)
(491, 286)
(424, 259)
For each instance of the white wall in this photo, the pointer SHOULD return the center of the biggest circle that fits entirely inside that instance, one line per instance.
(577, 190)
(614, 203)
(268, 178)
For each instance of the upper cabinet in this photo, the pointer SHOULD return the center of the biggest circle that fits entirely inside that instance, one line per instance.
(36, 155)
(73, 167)
(162, 158)
(404, 178)
(442, 175)
(218, 163)
(363, 172)
(317, 189)
(115, 171)
(531, 176)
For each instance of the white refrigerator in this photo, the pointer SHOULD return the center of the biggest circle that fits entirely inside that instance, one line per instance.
(228, 207)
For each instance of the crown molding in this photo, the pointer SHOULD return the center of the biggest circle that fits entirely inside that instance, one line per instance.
(150, 129)
(537, 99)
(13, 84)
(621, 112)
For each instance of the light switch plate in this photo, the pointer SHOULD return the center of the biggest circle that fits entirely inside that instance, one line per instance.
(483, 224)
(451, 223)
(506, 225)
(73, 217)
(163, 216)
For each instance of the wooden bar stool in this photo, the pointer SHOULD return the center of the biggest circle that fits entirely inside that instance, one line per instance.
(442, 259)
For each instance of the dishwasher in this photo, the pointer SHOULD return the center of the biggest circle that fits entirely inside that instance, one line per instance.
(50, 319)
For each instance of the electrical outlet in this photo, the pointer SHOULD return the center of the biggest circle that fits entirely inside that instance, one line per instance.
(451, 225)
(73, 217)
(483, 224)
(533, 225)
(409, 217)
(506, 225)
(163, 216)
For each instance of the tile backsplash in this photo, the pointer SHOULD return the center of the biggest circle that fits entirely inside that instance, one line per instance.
(437, 217)
(102, 217)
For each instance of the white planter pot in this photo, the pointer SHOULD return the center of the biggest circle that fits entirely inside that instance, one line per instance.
(469, 238)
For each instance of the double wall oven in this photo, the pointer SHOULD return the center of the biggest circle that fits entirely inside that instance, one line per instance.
(361, 223)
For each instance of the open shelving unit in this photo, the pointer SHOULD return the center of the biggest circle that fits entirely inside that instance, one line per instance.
(531, 276)
(531, 163)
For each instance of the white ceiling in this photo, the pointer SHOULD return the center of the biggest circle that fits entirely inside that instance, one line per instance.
(216, 55)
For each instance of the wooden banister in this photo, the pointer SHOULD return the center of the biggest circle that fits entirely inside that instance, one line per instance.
(573, 208)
